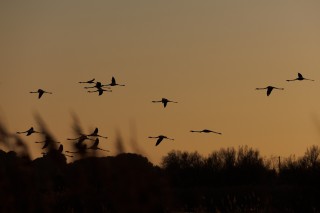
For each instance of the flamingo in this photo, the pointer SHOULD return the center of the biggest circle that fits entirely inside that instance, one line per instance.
(95, 146)
(160, 138)
(300, 78)
(81, 149)
(206, 131)
(41, 92)
(164, 101)
(98, 85)
(80, 139)
(47, 142)
(95, 134)
(87, 82)
(29, 132)
(269, 89)
(60, 149)
(114, 83)
(100, 91)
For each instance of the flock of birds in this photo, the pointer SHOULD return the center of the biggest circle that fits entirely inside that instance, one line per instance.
(270, 88)
(94, 136)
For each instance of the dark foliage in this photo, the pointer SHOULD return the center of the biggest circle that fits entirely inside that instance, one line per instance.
(228, 180)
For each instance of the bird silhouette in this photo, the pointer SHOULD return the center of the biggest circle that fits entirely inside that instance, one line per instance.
(95, 146)
(164, 101)
(29, 132)
(160, 138)
(82, 149)
(47, 142)
(87, 82)
(41, 92)
(206, 131)
(300, 78)
(60, 149)
(97, 85)
(95, 134)
(269, 89)
(114, 83)
(100, 91)
(80, 139)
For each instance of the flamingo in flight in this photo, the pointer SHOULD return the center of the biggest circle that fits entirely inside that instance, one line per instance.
(95, 134)
(164, 101)
(95, 146)
(98, 85)
(60, 149)
(206, 131)
(80, 147)
(80, 139)
(100, 91)
(114, 83)
(29, 132)
(300, 78)
(269, 89)
(87, 82)
(41, 92)
(160, 138)
(47, 142)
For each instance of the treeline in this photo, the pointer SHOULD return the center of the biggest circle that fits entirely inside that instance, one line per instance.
(241, 180)
(242, 166)
(227, 180)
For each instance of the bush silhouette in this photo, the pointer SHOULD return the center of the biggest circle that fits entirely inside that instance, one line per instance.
(227, 180)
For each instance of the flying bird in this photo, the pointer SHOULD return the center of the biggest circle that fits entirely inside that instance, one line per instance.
(80, 139)
(82, 149)
(206, 131)
(100, 91)
(95, 134)
(300, 78)
(95, 146)
(269, 89)
(47, 142)
(97, 85)
(41, 92)
(114, 83)
(164, 101)
(87, 82)
(29, 131)
(160, 138)
(60, 149)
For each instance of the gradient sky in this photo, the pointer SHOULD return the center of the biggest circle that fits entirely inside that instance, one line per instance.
(207, 55)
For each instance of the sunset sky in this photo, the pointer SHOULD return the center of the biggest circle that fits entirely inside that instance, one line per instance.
(207, 55)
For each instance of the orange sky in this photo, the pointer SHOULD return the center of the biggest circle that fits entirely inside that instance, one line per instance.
(207, 55)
